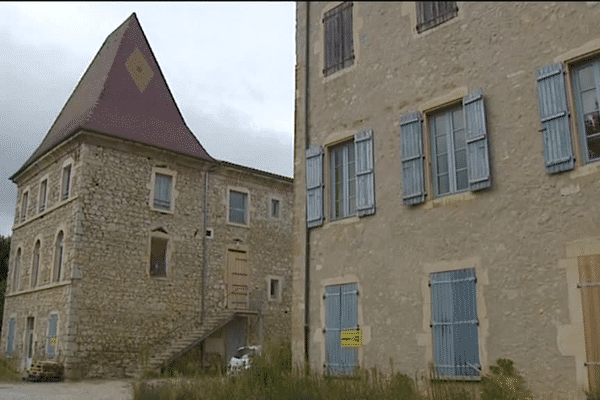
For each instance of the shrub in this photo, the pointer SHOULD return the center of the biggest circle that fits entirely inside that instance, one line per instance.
(504, 382)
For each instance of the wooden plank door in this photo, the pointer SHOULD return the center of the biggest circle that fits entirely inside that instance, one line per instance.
(589, 285)
(238, 280)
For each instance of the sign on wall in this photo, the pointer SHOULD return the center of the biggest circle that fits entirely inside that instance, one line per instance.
(351, 338)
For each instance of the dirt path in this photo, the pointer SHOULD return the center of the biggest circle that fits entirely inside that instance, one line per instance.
(69, 390)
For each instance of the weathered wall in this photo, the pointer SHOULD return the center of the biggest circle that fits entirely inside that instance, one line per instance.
(516, 234)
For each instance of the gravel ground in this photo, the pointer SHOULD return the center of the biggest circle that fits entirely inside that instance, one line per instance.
(68, 390)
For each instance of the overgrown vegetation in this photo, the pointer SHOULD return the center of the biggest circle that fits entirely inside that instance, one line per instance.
(271, 377)
(7, 372)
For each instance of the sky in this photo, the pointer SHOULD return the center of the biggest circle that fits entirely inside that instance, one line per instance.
(230, 68)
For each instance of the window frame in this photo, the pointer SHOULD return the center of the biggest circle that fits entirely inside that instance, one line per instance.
(43, 200)
(271, 207)
(59, 255)
(66, 186)
(246, 192)
(35, 263)
(278, 288)
(165, 172)
(159, 234)
(24, 205)
(347, 210)
(436, 20)
(450, 139)
(576, 96)
(16, 270)
(344, 35)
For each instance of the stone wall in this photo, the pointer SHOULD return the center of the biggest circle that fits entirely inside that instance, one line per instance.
(515, 234)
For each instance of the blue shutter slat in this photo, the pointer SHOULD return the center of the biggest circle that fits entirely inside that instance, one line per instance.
(333, 361)
(51, 352)
(411, 136)
(314, 187)
(11, 337)
(365, 183)
(478, 163)
(349, 320)
(554, 116)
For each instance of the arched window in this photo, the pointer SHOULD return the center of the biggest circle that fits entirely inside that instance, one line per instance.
(58, 256)
(36, 263)
(16, 271)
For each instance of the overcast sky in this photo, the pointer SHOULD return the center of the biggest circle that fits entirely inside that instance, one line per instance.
(230, 67)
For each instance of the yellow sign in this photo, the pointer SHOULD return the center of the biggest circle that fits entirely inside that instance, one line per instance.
(351, 338)
(53, 341)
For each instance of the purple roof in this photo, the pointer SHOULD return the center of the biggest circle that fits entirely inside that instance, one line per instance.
(123, 93)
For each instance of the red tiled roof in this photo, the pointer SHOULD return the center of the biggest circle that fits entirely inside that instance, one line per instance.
(123, 93)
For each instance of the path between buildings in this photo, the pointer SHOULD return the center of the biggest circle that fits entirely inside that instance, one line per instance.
(68, 390)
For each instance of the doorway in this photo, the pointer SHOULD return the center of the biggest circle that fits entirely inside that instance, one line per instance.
(238, 280)
(29, 342)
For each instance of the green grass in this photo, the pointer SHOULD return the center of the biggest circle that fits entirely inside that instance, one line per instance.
(272, 377)
(7, 372)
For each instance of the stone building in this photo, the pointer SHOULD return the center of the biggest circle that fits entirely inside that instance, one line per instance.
(446, 174)
(131, 244)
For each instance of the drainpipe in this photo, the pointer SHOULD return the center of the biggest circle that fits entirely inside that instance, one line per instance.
(205, 242)
(307, 244)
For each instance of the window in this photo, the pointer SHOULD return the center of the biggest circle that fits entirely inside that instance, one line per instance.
(274, 208)
(43, 189)
(238, 207)
(274, 289)
(36, 264)
(10, 345)
(163, 185)
(17, 271)
(66, 182)
(58, 256)
(454, 323)
(51, 341)
(459, 150)
(339, 48)
(343, 181)
(158, 256)
(24, 206)
(587, 85)
(449, 152)
(433, 13)
(341, 312)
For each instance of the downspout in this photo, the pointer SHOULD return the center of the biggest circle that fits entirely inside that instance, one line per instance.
(307, 244)
(205, 242)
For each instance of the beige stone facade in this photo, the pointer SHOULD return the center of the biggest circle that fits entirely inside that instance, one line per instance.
(145, 253)
(522, 237)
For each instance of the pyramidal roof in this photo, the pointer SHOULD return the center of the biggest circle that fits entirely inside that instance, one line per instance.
(123, 94)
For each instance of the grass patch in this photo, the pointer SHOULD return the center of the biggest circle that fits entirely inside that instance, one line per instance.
(7, 371)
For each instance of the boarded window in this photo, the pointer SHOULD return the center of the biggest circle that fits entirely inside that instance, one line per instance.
(162, 191)
(238, 202)
(339, 46)
(341, 313)
(433, 13)
(24, 206)
(589, 284)
(454, 323)
(58, 256)
(36, 264)
(158, 256)
(66, 182)
(10, 346)
(43, 189)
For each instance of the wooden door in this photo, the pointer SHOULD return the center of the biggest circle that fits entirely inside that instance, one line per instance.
(238, 280)
(589, 285)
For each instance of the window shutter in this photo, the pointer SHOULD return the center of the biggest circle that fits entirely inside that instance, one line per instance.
(347, 37)
(478, 162)
(51, 352)
(365, 183)
(11, 337)
(329, 45)
(314, 187)
(413, 184)
(333, 362)
(558, 151)
(349, 321)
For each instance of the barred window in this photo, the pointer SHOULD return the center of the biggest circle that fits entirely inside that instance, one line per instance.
(433, 13)
(339, 47)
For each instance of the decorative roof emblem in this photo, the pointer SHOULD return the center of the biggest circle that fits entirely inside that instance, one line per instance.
(138, 68)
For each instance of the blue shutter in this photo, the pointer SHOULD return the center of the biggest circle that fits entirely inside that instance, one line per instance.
(51, 348)
(413, 183)
(365, 183)
(349, 308)
(314, 187)
(478, 163)
(333, 346)
(454, 323)
(11, 337)
(558, 151)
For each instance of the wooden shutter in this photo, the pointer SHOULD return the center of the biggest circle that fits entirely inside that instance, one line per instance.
(478, 163)
(558, 150)
(454, 323)
(51, 347)
(411, 136)
(333, 346)
(365, 182)
(314, 187)
(347, 39)
(349, 311)
(10, 346)
(589, 284)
